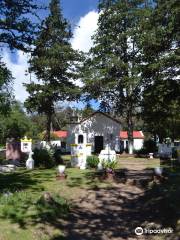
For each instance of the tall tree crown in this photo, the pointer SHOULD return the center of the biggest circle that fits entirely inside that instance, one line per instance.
(55, 64)
(16, 28)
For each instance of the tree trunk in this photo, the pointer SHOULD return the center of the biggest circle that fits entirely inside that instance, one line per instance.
(48, 127)
(130, 132)
(130, 141)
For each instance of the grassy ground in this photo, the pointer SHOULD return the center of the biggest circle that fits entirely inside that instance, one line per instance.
(23, 216)
(138, 163)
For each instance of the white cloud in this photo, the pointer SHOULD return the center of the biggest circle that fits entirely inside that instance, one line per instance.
(81, 41)
(83, 33)
(18, 70)
(85, 29)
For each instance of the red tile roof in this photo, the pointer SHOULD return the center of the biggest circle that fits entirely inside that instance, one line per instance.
(136, 134)
(123, 134)
(61, 134)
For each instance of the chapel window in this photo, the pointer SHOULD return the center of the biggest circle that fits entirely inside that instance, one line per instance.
(80, 139)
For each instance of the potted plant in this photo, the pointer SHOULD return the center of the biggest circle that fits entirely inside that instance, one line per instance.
(92, 161)
(109, 167)
(61, 169)
(61, 172)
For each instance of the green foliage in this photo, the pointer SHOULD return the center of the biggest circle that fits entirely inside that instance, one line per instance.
(39, 121)
(87, 111)
(16, 27)
(56, 206)
(112, 73)
(161, 109)
(92, 161)
(149, 146)
(11, 206)
(44, 158)
(54, 62)
(160, 47)
(174, 153)
(5, 88)
(22, 207)
(2, 158)
(133, 65)
(58, 157)
(16, 124)
(42, 136)
(109, 165)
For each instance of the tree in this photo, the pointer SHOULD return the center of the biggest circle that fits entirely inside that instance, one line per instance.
(112, 72)
(16, 31)
(5, 89)
(16, 124)
(161, 109)
(87, 110)
(55, 64)
(160, 70)
(16, 27)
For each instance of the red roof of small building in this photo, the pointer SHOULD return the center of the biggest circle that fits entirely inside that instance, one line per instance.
(61, 134)
(136, 134)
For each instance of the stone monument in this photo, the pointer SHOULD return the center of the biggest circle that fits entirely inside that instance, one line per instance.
(26, 147)
(13, 151)
(107, 155)
(30, 162)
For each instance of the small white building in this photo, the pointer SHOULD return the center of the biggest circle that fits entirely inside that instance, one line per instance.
(138, 140)
(99, 130)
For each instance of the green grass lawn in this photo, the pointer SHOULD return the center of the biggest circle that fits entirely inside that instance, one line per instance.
(23, 216)
(139, 163)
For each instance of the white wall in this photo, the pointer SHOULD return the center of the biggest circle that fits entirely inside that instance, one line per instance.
(138, 144)
(97, 125)
(56, 143)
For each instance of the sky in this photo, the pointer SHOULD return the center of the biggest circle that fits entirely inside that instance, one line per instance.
(83, 17)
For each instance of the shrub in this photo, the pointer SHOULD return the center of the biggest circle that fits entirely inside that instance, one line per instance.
(174, 153)
(141, 151)
(92, 161)
(58, 157)
(52, 136)
(44, 158)
(149, 146)
(109, 165)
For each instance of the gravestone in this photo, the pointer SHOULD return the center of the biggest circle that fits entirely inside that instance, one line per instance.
(106, 155)
(26, 147)
(13, 150)
(79, 153)
(165, 150)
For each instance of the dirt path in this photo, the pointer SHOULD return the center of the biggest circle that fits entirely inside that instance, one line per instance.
(109, 214)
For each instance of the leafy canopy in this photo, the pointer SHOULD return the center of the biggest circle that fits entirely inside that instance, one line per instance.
(5, 88)
(16, 27)
(54, 62)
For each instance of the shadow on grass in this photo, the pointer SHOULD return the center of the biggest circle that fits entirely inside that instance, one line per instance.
(51, 210)
(115, 212)
(111, 212)
(25, 210)
(75, 182)
(21, 206)
(22, 180)
(16, 181)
